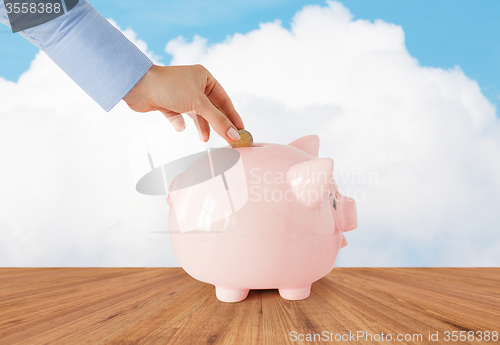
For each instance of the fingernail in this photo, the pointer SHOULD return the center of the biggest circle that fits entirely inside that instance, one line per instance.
(179, 124)
(233, 134)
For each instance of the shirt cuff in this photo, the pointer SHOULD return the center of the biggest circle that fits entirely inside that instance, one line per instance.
(100, 59)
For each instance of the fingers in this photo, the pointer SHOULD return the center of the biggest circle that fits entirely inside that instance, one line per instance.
(201, 125)
(220, 123)
(176, 119)
(204, 129)
(218, 96)
(212, 106)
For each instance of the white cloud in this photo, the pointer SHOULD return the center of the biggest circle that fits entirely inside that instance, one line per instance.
(132, 36)
(428, 136)
(67, 193)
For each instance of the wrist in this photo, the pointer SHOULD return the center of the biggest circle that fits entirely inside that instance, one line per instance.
(139, 93)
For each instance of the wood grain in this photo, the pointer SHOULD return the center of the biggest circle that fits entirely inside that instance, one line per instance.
(166, 306)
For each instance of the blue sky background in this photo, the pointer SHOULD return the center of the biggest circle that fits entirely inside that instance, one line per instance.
(438, 33)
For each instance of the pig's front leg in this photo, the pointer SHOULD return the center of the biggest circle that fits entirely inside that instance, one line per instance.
(295, 294)
(230, 295)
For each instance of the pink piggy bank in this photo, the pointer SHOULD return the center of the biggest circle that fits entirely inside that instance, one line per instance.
(268, 216)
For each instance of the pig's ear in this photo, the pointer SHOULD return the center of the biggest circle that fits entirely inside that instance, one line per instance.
(348, 215)
(308, 144)
(311, 180)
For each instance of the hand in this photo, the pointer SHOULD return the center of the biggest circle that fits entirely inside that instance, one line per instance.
(187, 89)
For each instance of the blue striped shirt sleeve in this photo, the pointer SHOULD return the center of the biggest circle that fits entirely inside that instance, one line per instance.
(91, 51)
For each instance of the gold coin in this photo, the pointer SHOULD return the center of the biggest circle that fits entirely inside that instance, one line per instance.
(246, 139)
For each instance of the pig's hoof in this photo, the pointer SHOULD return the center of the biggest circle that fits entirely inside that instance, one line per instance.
(230, 295)
(295, 294)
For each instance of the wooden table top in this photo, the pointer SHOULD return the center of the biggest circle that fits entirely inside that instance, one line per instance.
(166, 306)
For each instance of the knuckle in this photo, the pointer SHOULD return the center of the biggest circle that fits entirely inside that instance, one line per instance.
(199, 68)
(198, 105)
(222, 121)
(223, 102)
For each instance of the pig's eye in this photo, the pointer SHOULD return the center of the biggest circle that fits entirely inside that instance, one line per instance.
(333, 200)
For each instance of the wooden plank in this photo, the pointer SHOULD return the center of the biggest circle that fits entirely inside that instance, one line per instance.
(166, 306)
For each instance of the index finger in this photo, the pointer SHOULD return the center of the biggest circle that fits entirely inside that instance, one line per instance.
(218, 97)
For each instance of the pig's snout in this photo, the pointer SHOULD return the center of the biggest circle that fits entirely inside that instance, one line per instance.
(348, 215)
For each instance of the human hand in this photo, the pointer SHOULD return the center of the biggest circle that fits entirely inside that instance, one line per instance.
(187, 89)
